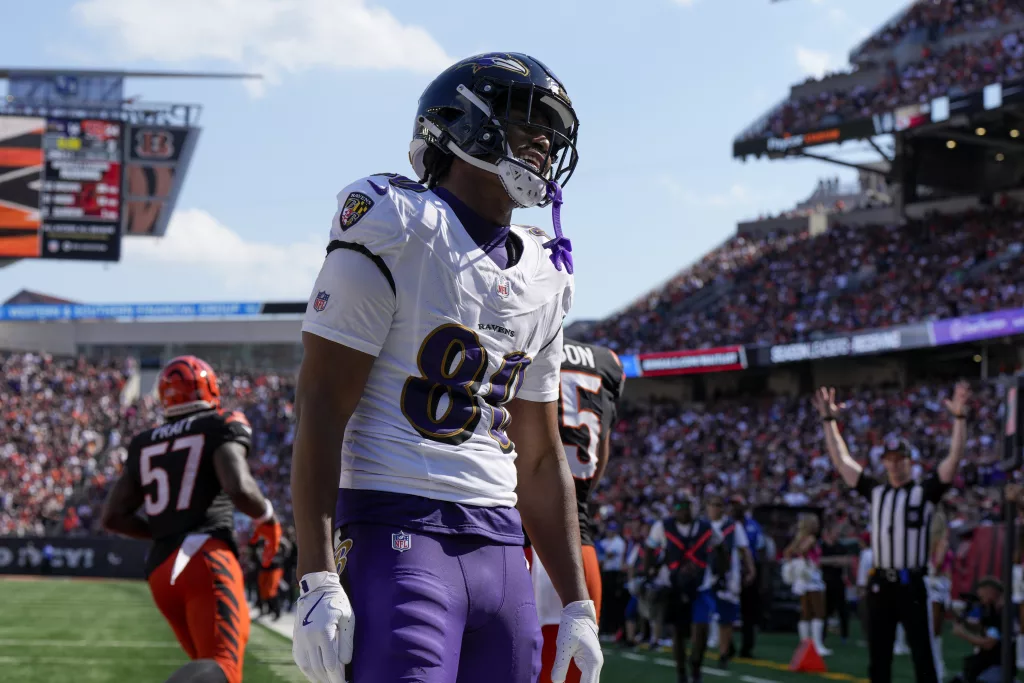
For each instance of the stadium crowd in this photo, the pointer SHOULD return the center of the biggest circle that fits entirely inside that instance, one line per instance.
(790, 288)
(959, 69)
(64, 430)
(938, 19)
(770, 451)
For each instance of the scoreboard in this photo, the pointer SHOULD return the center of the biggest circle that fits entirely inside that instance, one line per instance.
(70, 188)
(80, 192)
(60, 188)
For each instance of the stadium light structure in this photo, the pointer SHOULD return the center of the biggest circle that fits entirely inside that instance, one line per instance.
(93, 166)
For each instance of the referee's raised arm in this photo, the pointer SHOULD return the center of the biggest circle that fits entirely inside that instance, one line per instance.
(824, 401)
(901, 513)
(957, 407)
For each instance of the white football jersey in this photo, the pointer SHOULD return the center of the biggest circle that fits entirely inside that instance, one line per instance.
(455, 337)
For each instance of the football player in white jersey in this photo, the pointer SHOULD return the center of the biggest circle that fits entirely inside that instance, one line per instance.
(429, 389)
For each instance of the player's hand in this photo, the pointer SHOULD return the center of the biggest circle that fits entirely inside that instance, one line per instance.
(957, 406)
(824, 401)
(577, 641)
(324, 624)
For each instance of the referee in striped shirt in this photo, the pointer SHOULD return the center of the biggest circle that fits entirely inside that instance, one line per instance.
(901, 514)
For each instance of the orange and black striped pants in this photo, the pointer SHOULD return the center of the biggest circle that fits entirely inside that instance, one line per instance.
(206, 606)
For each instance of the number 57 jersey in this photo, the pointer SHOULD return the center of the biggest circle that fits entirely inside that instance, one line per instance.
(455, 338)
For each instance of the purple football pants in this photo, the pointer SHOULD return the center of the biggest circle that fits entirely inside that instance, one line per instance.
(434, 608)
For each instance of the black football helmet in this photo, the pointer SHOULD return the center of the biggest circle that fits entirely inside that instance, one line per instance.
(465, 112)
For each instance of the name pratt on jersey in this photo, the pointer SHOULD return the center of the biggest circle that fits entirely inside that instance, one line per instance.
(170, 429)
(488, 327)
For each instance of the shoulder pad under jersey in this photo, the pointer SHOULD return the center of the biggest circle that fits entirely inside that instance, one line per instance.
(235, 427)
(376, 211)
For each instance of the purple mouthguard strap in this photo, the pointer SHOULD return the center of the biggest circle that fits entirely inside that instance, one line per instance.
(561, 247)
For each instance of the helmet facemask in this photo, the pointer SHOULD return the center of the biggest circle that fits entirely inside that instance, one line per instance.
(476, 130)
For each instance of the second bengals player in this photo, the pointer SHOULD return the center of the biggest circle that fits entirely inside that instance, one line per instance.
(188, 475)
(592, 380)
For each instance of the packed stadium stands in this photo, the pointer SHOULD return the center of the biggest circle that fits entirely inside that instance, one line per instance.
(64, 428)
(933, 20)
(789, 288)
(938, 69)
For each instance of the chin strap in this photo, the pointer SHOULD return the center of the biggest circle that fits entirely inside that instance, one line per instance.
(561, 247)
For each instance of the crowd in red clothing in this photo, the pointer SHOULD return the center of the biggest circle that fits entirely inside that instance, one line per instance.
(56, 419)
(64, 429)
(790, 288)
(770, 451)
(956, 70)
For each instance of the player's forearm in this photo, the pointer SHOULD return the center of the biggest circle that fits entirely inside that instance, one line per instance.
(958, 442)
(128, 525)
(547, 504)
(249, 499)
(845, 465)
(316, 469)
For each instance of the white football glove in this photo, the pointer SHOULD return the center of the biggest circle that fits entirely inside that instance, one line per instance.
(577, 641)
(324, 624)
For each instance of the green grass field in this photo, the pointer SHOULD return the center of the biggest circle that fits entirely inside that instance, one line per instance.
(109, 631)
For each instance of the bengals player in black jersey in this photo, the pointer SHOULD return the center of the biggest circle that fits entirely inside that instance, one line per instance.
(188, 475)
(592, 380)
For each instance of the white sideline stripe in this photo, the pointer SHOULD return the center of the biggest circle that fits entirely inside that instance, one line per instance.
(631, 655)
(755, 679)
(89, 643)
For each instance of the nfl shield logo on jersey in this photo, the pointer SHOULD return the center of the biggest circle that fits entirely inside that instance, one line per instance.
(401, 541)
(504, 288)
(320, 303)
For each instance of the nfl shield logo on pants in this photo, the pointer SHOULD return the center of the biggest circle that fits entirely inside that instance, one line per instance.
(401, 541)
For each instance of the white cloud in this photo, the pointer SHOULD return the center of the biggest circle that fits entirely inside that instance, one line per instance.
(816, 62)
(199, 245)
(273, 37)
(686, 3)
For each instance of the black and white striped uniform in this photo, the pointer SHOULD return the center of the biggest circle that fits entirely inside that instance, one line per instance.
(900, 538)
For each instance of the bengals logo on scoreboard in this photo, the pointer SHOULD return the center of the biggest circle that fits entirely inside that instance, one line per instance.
(154, 144)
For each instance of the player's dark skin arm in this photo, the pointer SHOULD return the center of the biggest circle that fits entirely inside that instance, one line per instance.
(119, 510)
(603, 452)
(547, 497)
(237, 481)
(331, 382)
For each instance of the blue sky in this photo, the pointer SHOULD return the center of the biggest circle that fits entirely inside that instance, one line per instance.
(661, 88)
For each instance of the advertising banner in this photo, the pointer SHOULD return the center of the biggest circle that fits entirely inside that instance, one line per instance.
(120, 558)
(900, 338)
(43, 312)
(722, 359)
(981, 326)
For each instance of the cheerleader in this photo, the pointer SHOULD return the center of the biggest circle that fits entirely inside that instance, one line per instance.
(804, 552)
(938, 583)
